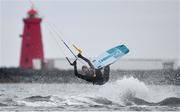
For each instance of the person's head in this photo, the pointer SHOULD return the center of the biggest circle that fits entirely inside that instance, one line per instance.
(85, 69)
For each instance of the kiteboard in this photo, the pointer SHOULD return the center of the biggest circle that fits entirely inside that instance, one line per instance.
(110, 56)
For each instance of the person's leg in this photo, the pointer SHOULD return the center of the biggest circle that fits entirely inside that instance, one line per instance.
(87, 60)
(107, 70)
(106, 73)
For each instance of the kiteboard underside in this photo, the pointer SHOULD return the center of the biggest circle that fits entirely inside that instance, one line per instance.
(110, 56)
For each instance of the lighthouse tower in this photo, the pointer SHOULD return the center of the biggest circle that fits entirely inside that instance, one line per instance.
(32, 47)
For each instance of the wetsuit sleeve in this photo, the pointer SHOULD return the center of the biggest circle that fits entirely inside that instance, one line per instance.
(106, 73)
(75, 70)
(87, 78)
(88, 61)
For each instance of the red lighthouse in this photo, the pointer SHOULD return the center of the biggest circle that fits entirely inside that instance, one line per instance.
(32, 47)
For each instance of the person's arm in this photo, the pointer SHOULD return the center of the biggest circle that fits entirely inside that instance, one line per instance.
(75, 69)
(85, 59)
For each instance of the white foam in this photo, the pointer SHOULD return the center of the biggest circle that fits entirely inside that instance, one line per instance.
(160, 92)
(37, 104)
(123, 89)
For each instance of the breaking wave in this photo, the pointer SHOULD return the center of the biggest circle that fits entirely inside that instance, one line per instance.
(127, 93)
(54, 101)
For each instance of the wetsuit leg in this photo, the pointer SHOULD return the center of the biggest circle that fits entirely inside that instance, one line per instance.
(106, 73)
(88, 61)
(107, 70)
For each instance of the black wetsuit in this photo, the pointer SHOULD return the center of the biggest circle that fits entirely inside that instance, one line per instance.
(99, 79)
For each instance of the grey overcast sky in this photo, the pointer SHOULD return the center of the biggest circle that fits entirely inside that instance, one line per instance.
(150, 28)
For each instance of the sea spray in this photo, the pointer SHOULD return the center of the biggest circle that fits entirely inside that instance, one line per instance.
(124, 89)
(90, 97)
(160, 92)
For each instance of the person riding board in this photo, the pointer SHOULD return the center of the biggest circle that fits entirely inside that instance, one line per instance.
(91, 74)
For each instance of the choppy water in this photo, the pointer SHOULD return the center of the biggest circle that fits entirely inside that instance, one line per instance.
(125, 94)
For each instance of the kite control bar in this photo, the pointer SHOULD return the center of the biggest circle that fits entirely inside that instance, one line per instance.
(69, 61)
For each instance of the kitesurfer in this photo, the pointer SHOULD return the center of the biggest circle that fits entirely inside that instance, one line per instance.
(91, 74)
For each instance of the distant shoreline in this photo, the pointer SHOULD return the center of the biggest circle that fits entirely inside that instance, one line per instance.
(18, 75)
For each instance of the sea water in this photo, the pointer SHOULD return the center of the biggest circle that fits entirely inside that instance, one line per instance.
(126, 94)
